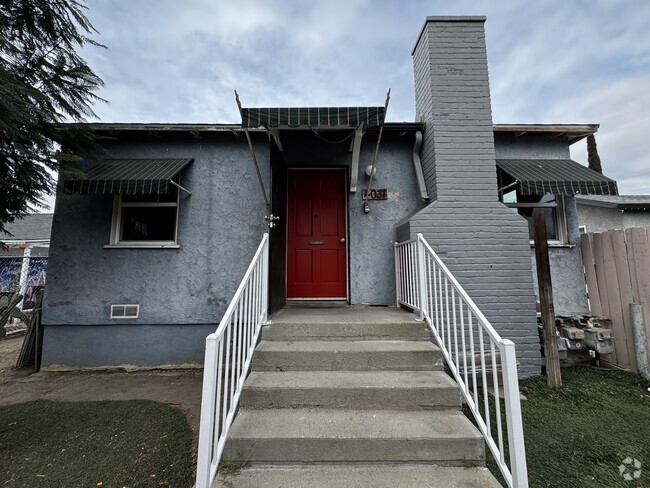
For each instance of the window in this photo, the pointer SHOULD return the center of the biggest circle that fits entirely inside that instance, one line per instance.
(145, 220)
(529, 205)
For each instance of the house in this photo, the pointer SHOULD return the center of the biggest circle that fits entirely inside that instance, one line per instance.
(148, 249)
(600, 213)
(24, 254)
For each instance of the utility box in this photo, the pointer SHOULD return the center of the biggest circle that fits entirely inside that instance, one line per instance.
(573, 333)
(574, 337)
(599, 340)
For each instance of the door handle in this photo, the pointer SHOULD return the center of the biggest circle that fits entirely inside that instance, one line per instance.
(342, 240)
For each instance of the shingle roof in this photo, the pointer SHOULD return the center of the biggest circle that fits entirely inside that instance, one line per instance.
(33, 227)
(615, 201)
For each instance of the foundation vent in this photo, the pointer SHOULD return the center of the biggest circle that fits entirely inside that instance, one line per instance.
(131, 311)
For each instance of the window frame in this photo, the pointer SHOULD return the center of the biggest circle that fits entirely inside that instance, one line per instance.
(116, 224)
(561, 227)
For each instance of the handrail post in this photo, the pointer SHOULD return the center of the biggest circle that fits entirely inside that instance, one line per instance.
(398, 278)
(207, 423)
(265, 278)
(422, 289)
(513, 415)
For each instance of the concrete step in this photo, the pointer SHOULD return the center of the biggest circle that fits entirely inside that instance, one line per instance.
(359, 476)
(394, 390)
(344, 324)
(294, 436)
(347, 356)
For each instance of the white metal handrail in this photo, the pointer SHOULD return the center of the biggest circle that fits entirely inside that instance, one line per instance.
(228, 354)
(425, 285)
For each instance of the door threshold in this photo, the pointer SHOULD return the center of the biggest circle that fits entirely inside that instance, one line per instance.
(315, 303)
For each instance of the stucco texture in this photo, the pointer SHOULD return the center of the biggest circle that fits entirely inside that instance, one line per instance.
(219, 228)
(567, 273)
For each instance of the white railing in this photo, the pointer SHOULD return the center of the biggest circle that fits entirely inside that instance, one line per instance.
(425, 285)
(228, 354)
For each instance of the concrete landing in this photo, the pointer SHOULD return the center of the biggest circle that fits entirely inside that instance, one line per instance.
(356, 476)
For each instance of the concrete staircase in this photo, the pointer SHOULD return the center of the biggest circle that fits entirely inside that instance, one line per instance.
(351, 398)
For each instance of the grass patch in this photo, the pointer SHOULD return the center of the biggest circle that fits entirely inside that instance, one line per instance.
(88, 444)
(578, 435)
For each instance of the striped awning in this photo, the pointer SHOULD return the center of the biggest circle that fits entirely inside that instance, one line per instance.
(556, 176)
(312, 117)
(128, 176)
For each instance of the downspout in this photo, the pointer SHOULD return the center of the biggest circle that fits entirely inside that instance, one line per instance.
(417, 165)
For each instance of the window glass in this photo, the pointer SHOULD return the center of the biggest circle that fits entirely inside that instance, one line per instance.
(529, 205)
(148, 223)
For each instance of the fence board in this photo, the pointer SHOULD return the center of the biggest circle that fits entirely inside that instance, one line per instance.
(624, 292)
(601, 276)
(617, 267)
(640, 240)
(590, 274)
(614, 301)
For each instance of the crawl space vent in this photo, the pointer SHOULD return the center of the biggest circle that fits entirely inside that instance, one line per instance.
(125, 311)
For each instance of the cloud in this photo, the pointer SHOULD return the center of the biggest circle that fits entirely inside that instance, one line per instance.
(585, 61)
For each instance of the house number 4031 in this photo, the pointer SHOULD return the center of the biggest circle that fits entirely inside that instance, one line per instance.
(378, 194)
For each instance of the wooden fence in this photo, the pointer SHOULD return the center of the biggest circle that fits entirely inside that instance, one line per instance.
(617, 272)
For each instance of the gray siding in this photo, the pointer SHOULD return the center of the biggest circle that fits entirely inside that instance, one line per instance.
(482, 242)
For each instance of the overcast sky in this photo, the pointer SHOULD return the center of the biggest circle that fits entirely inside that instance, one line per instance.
(552, 61)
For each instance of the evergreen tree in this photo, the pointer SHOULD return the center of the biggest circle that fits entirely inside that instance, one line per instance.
(43, 82)
(592, 155)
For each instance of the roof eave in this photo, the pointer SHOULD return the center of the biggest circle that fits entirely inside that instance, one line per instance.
(573, 132)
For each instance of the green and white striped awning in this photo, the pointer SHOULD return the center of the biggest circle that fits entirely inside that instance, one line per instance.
(312, 117)
(556, 176)
(128, 176)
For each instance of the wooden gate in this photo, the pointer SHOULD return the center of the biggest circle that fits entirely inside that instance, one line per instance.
(617, 272)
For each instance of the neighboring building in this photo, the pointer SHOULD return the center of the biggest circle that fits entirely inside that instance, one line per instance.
(600, 213)
(169, 221)
(23, 256)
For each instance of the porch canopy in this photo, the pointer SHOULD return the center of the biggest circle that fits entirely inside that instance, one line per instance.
(313, 117)
(128, 176)
(556, 176)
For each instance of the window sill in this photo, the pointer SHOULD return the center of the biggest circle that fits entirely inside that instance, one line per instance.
(142, 246)
(556, 245)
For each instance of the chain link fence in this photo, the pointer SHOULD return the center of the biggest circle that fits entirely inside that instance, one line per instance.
(24, 276)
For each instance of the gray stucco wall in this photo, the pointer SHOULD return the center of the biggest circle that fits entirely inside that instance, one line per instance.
(372, 235)
(183, 292)
(483, 243)
(530, 146)
(602, 219)
(219, 228)
(567, 274)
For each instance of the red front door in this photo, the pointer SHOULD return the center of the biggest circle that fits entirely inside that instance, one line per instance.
(316, 249)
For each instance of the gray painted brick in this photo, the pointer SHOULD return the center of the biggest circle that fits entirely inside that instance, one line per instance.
(483, 242)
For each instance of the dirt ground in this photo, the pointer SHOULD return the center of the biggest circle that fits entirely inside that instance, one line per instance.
(177, 387)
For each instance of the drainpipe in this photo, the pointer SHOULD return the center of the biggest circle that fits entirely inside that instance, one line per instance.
(640, 339)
